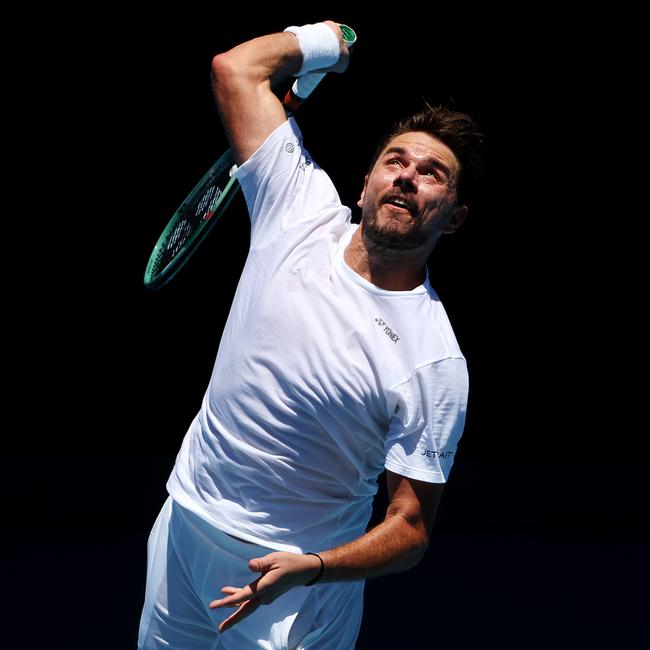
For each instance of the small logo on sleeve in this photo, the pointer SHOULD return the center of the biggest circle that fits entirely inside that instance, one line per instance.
(434, 453)
(390, 333)
(307, 161)
(290, 145)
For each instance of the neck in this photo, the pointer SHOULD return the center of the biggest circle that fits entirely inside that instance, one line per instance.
(393, 270)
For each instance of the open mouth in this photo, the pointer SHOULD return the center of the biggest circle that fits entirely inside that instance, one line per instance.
(400, 204)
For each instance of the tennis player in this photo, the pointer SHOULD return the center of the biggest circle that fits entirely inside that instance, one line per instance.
(337, 361)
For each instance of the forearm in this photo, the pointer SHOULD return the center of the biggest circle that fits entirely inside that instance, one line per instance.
(395, 545)
(271, 58)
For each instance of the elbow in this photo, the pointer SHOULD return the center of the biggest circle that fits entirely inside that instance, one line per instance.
(418, 551)
(415, 539)
(221, 65)
(418, 544)
(229, 78)
(232, 75)
(415, 546)
(223, 72)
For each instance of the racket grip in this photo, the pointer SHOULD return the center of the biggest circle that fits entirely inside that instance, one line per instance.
(301, 89)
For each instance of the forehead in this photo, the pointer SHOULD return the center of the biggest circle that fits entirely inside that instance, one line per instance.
(423, 145)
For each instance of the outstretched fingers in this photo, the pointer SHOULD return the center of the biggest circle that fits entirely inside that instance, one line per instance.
(281, 571)
(236, 595)
(244, 610)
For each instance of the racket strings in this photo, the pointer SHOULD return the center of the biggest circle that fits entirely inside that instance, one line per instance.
(191, 220)
(195, 214)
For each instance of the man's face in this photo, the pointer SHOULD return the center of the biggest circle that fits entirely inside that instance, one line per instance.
(409, 197)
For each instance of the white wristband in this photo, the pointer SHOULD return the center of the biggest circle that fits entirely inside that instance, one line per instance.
(319, 46)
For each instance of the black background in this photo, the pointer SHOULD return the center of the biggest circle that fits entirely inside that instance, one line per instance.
(542, 526)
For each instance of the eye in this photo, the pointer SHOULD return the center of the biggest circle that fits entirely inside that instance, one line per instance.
(432, 174)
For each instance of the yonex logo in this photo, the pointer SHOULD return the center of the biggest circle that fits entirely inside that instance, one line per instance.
(387, 330)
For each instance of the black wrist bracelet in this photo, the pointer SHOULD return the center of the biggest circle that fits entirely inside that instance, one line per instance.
(320, 573)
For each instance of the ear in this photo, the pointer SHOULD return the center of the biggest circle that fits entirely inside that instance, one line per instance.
(363, 192)
(457, 217)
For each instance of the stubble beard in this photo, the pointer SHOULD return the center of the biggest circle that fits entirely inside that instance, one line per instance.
(388, 236)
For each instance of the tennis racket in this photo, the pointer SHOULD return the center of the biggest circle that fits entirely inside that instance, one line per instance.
(212, 195)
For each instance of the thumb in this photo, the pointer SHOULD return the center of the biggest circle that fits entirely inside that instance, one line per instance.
(258, 564)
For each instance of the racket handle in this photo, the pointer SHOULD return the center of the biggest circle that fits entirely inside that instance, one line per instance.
(304, 86)
(301, 89)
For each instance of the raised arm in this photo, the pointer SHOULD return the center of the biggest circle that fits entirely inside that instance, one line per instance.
(243, 79)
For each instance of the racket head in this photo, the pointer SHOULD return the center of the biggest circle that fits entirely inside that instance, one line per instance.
(192, 221)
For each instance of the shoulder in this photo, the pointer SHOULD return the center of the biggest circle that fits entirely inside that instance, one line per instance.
(284, 142)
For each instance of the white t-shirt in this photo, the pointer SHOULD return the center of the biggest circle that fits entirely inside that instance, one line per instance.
(321, 380)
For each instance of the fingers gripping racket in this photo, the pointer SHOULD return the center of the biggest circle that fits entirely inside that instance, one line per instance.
(212, 195)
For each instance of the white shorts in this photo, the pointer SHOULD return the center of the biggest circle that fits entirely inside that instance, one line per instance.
(189, 560)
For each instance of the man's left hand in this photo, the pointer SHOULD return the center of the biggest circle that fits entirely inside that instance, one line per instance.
(280, 572)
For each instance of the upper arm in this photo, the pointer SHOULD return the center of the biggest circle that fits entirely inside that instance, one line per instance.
(416, 501)
(242, 85)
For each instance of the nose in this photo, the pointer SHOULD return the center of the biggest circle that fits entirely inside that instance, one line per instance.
(405, 179)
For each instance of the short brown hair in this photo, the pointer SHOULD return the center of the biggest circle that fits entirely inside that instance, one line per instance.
(458, 131)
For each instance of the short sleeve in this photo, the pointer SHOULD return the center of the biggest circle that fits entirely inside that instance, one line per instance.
(283, 187)
(428, 421)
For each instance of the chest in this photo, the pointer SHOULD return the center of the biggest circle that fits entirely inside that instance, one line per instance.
(328, 343)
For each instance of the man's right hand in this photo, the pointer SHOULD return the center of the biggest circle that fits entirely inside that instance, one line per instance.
(344, 60)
